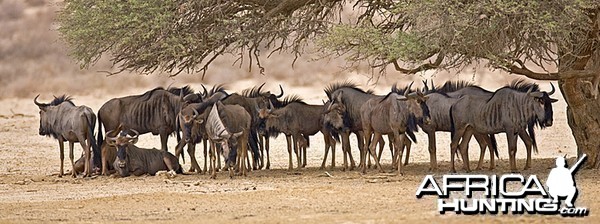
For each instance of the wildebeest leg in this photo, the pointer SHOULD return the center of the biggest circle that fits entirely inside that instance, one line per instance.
(304, 155)
(73, 171)
(297, 151)
(179, 150)
(345, 148)
(218, 155)
(205, 155)
(163, 141)
(482, 146)
(261, 146)
(288, 138)
(407, 144)
(61, 146)
(398, 142)
(327, 140)
(244, 153)
(372, 151)
(464, 147)
(268, 157)
(512, 150)
(381, 145)
(528, 144)
(457, 135)
(432, 151)
(213, 161)
(365, 148)
(192, 152)
(391, 145)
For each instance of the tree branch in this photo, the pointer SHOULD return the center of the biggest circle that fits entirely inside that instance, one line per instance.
(423, 67)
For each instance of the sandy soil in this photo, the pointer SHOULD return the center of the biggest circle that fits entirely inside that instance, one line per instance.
(30, 190)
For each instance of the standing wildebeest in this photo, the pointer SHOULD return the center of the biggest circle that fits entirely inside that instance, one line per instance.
(64, 121)
(297, 120)
(138, 161)
(193, 131)
(343, 114)
(510, 110)
(395, 114)
(229, 125)
(154, 111)
(249, 100)
(439, 103)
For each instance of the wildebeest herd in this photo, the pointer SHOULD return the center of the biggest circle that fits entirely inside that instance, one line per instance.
(238, 126)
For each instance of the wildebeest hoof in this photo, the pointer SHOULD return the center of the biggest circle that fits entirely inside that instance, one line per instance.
(171, 174)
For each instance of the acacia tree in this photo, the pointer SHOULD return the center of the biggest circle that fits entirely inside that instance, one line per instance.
(544, 40)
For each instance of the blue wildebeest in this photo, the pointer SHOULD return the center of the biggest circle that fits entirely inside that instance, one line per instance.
(249, 100)
(228, 125)
(342, 116)
(510, 109)
(64, 121)
(396, 114)
(297, 120)
(439, 103)
(139, 161)
(152, 112)
(193, 131)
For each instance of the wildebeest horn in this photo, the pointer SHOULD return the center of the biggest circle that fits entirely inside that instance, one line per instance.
(137, 134)
(271, 104)
(553, 90)
(205, 94)
(195, 112)
(260, 87)
(425, 86)
(235, 135)
(529, 90)
(281, 94)
(409, 86)
(181, 95)
(38, 103)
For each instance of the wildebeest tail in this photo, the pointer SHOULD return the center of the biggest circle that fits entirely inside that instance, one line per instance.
(307, 140)
(177, 128)
(452, 128)
(411, 128)
(100, 137)
(530, 129)
(253, 141)
(494, 144)
(94, 144)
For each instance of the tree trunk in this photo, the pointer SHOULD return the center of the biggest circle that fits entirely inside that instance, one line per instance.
(583, 116)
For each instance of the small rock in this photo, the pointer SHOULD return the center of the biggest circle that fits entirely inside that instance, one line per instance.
(20, 182)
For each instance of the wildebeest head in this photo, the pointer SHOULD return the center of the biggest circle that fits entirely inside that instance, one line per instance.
(417, 106)
(122, 142)
(335, 115)
(543, 106)
(218, 133)
(188, 117)
(46, 112)
(266, 98)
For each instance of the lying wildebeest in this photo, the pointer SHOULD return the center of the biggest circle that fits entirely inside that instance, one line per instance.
(193, 131)
(229, 125)
(154, 111)
(297, 120)
(395, 114)
(139, 161)
(510, 110)
(64, 121)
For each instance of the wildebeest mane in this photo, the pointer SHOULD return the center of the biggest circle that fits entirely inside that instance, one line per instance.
(451, 86)
(253, 92)
(291, 99)
(61, 99)
(345, 84)
(216, 89)
(523, 85)
(177, 91)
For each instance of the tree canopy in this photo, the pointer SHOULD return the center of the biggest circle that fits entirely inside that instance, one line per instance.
(411, 35)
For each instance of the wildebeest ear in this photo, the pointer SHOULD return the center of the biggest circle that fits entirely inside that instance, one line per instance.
(552, 100)
(192, 97)
(133, 141)
(536, 94)
(199, 120)
(401, 98)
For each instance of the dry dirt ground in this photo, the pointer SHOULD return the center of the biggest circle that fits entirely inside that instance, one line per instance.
(31, 191)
